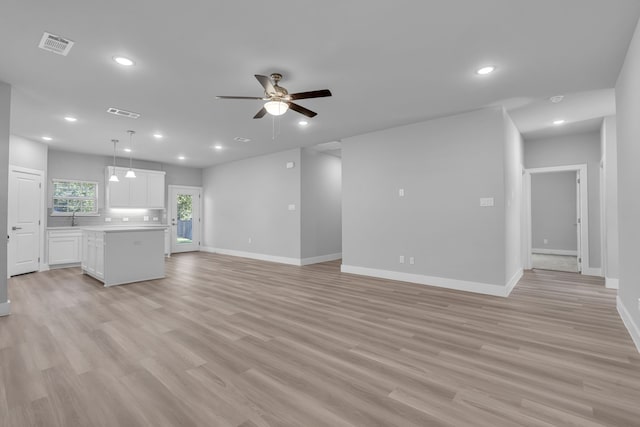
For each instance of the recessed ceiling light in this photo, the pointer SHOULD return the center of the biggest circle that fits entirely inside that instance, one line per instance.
(70, 119)
(556, 99)
(181, 157)
(157, 135)
(486, 70)
(123, 61)
(218, 147)
(128, 150)
(558, 122)
(303, 122)
(47, 138)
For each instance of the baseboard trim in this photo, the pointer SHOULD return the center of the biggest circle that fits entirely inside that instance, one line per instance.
(610, 283)
(321, 258)
(554, 252)
(514, 281)
(44, 267)
(5, 308)
(634, 330)
(592, 271)
(441, 282)
(253, 255)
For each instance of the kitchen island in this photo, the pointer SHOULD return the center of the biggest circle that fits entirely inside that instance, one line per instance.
(120, 255)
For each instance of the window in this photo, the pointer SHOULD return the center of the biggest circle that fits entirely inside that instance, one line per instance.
(80, 197)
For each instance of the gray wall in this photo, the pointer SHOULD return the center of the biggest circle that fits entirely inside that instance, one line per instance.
(513, 165)
(610, 217)
(628, 114)
(249, 199)
(27, 154)
(445, 166)
(321, 204)
(572, 150)
(553, 211)
(5, 114)
(87, 167)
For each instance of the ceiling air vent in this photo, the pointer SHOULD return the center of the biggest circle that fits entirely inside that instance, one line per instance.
(123, 113)
(55, 44)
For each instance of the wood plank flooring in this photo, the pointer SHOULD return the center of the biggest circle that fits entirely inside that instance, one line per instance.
(226, 341)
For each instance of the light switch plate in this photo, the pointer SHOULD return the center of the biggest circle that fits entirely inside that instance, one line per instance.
(412, 260)
(290, 165)
(155, 218)
(401, 192)
(107, 219)
(486, 202)
(401, 259)
(292, 207)
(125, 219)
(145, 218)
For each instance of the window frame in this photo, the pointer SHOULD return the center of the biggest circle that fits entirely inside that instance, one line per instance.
(96, 199)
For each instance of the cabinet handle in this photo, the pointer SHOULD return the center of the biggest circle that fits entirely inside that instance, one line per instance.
(14, 228)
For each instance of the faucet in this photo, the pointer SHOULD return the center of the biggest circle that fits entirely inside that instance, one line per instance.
(73, 219)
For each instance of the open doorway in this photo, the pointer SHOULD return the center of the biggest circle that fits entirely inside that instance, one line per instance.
(556, 224)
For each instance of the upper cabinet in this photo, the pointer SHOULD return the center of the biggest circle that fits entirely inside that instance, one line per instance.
(146, 190)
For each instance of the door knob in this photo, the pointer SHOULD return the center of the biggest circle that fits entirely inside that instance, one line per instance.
(14, 228)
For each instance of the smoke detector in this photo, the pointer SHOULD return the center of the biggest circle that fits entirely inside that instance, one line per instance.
(556, 99)
(55, 44)
(123, 113)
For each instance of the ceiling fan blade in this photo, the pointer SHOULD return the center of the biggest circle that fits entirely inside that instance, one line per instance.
(260, 114)
(237, 97)
(311, 94)
(300, 109)
(266, 83)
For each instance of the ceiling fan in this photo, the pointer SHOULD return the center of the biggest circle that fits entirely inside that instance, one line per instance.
(279, 99)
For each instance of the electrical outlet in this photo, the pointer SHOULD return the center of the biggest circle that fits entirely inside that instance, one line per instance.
(290, 165)
(401, 192)
(401, 259)
(145, 218)
(486, 202)
(292, 207)
(412, 260)
(155, 218)
(107, 219)
(125, 219)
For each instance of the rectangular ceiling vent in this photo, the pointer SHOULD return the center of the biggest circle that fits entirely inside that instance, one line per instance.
(55, 44)
(123, 113)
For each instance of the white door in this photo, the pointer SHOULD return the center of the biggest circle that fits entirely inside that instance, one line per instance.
(578, 221)
(25, 195)
(184, 211)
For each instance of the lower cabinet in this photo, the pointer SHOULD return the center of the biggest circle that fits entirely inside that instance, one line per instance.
(93, 253)
(64, 247)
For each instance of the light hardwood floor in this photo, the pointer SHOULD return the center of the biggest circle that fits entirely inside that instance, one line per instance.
(226, 341)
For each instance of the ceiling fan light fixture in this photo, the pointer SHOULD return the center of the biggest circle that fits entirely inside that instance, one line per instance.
(276, 108)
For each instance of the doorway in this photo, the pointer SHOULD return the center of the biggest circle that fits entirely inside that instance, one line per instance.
(25, 220)
(556, 218)
(185, 205)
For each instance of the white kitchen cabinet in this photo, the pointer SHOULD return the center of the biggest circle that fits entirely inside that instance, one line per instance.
(145, 191)
(93, 253)
(120, 255)
(64, 246)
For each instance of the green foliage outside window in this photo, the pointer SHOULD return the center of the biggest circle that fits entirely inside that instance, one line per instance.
(185, 207)
(80, 197)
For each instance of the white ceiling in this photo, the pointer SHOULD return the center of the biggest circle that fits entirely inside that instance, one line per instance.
(388, 63)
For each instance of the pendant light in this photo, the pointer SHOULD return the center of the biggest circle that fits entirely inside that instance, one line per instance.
(114, 177)
(130, 173)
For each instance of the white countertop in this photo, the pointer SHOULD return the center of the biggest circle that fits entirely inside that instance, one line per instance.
(120, 228)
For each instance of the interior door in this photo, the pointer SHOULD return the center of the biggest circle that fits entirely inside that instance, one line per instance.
(24, 221)
(578, 221)
(184, 210)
